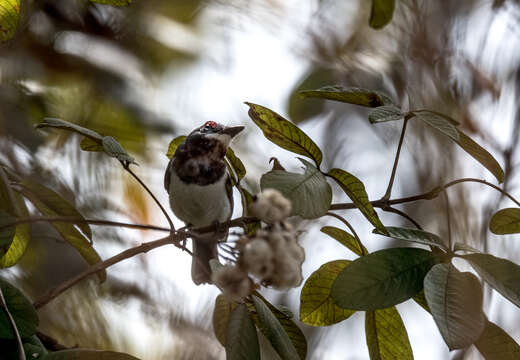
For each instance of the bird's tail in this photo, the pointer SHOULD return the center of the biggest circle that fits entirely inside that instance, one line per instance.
(204, 249)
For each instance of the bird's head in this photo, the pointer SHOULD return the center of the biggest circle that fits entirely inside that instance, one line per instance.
(213, 130)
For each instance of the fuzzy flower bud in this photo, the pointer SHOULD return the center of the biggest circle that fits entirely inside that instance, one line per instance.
(258, 258)
(233, 281)
(270, 206)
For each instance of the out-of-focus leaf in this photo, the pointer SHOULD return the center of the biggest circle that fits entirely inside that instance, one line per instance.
(455, 301)
(385, 113)
(9, 16)
(316, 305)
(420, 299)
(310, 193)
(86, 354)
(61, 124)
(69, 233)
(292, 330)
(21, 310)
(381, 13)
(174, 144)
(386, 336)
(114, 149)
(345, 239)
(6, 194)
(236, 164)
(56, 203)
(382, 279)
(284, 133)
(464, 247)
(221, 317)
(503, 275)
(351, 95)
(242, 340)
(355, 190)
(113, 2)
(87, 144)
(21, 237)
(303, 109)
(413, 235)
(505, 221)
(247, 199)
(7, 233)
(274, 332)
(439, 122)
(481, 155)
(496, 344)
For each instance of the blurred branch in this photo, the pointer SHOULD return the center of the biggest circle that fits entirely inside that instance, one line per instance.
(3, 304)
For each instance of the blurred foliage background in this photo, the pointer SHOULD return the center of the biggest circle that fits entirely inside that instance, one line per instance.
(153, 70)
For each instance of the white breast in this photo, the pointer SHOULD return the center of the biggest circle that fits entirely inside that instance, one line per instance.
(199, 205)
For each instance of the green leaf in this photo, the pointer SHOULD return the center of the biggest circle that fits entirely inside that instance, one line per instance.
(62, 124)
(382, 279)
(355, 190)
(21, 310)
(21, 237)
(464, 247)
(316, 305)
(503, 275)
(236, 164)
(439, 122)
(496, 344)
(505, 221)
(221, 317)
(9, 16)
(351, 95)
(113, 2)
(86, 354)
(87, 144)
(310, 193)
(295, 334)
(174, 144)
(114, 149)
(69, 233)
(386, 335)
(56, 203)
(455, 301)
(242, 340)
(381, 13)
(274, 332)
(284, 133)
(385, 113)
(7, 233)
(413, 235)
(345, 239)
(420, 299)
(481, 155)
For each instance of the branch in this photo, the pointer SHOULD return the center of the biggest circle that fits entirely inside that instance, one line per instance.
(174, 238)
(127, 168)
(396, 160)
(3, 304)
(75, 220)
(403, 214)
(344, 221)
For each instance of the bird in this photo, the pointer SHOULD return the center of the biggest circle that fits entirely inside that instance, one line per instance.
(200, 190)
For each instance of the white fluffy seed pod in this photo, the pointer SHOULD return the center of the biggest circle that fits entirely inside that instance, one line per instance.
(233, 281)
(270, 206)
(258, 258)
(287, 274)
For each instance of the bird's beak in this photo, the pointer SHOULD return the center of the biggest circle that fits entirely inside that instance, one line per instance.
(232, 130)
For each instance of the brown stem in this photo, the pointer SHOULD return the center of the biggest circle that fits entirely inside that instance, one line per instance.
(396, 160)
(344, 221)
(75, 220)
(403, 214)
(3, 304)
(127, 168)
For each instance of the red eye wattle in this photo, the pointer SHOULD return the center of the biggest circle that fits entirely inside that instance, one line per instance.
(211, 124)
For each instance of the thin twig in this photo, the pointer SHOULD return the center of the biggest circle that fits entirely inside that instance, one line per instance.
(403, 214)
(448, 220)
(396, 161)
(3, 304)
(127, 168)
(344, 221)
(76, 220)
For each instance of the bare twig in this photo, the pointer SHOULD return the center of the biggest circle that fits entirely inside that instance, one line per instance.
(344, 221)
(403, 214)
(448, 218)
(388, 192)
(3, 304)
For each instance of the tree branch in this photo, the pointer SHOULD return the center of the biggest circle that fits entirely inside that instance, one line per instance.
(3, 304)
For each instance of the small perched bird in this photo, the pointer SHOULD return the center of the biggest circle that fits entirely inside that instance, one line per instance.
(200, 190)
